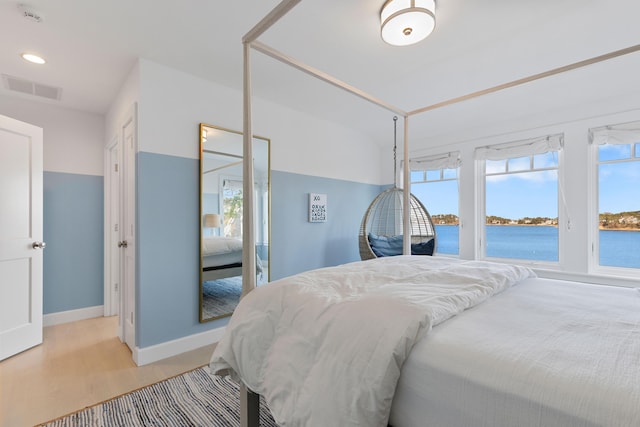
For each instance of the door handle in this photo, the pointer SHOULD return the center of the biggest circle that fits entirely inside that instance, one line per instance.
(38, 245)
(123, 244)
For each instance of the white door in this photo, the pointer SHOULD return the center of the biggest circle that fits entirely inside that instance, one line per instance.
(20, 236)
(112, 230)
(127, 245)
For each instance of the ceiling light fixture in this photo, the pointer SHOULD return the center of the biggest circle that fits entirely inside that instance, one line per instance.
(33, 58)
(405, 22)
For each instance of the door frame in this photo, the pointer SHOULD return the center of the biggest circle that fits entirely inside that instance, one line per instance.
(114, 300)
(127, 321)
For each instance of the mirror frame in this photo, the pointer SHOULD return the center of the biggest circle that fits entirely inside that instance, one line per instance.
(201, 227)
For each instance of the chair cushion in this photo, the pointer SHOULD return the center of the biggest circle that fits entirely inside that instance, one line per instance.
(392, 245)
(385, 245)
(423, 248)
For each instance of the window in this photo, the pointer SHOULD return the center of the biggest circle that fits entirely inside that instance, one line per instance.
(617, 150)
(232, 208)
(521, 199)
(434, 181)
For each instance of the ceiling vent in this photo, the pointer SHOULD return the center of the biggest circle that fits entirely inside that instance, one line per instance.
(29, 13)
(31, 88)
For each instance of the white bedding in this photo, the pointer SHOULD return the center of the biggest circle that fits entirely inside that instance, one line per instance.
(326, 347)
(218, 245)
(220, 251)
(547, 353)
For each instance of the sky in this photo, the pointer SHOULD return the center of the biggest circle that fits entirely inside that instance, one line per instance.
(438, 197)
(619, 187)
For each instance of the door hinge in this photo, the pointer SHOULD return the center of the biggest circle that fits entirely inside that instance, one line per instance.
(132, 317)
(115, 227)
(115, 287)
(115, 167)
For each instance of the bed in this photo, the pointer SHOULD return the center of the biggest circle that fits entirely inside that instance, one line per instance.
(509, 351)
(544, 353)
(435, 341)
(222, 258)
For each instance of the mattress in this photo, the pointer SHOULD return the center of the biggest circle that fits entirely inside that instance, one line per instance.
(543, 353)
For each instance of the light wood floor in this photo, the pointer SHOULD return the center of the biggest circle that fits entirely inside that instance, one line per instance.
(78, 365)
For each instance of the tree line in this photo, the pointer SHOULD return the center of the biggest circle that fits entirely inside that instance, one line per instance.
(615, 221)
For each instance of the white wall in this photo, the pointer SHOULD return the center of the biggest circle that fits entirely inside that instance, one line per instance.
(299, 143)
(310, 146)
(126, 98)
(73, 140)
(72, 205)
(170, 106)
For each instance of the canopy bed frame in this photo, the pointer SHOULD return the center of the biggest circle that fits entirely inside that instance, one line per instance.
(249, 400)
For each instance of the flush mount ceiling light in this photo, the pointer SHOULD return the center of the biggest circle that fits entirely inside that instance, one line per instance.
(405, 22)
(33, 58)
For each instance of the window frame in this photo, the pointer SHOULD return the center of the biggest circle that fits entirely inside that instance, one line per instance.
(454, 157)
(481, 207)
(593, 263)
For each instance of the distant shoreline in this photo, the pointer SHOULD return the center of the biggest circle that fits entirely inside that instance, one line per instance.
(547, 225)
(620, 221)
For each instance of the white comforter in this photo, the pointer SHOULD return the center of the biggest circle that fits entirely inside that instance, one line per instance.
(325, 348)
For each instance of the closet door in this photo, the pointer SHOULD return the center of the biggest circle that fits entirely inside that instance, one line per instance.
(21, 244)
(128, 244)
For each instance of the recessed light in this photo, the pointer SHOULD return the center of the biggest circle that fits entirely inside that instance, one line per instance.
(33, 58)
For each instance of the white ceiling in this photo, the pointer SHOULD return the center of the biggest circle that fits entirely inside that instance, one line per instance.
(91, 46)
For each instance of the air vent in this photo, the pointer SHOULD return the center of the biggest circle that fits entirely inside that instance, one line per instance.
(31, 88)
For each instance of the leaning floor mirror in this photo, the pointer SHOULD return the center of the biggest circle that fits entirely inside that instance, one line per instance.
(221, 218)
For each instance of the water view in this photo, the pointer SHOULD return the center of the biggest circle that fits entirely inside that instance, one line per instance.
(618, 248)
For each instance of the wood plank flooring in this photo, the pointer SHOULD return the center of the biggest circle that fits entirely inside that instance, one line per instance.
(78, 365)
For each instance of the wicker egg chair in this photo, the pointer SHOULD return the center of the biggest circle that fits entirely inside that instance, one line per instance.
(382, 225)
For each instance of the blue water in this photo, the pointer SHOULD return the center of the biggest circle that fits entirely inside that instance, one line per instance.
(447, 238)
(620, 248)
(538, 243)
(617, 248)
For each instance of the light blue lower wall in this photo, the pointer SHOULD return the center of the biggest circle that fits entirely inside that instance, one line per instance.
(73, 261)
(298, 245)
(168, 243)
(168, 249)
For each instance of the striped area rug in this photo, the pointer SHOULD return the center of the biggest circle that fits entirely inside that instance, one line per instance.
(195, 398)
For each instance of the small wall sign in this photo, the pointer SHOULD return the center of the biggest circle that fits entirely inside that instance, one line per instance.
(317, 207)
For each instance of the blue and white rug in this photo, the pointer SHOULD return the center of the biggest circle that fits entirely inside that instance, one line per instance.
(220, 297)
(196, 398)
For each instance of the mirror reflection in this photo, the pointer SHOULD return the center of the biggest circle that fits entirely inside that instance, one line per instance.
(221, 193)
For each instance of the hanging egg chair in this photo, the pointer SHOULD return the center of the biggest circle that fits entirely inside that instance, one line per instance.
(382, 225)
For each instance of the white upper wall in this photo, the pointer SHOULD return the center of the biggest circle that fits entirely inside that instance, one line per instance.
(73, 140)
(125, 100)
(176, 102)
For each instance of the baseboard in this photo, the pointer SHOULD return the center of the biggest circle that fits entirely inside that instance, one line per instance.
(144, 356)
(72, 315)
